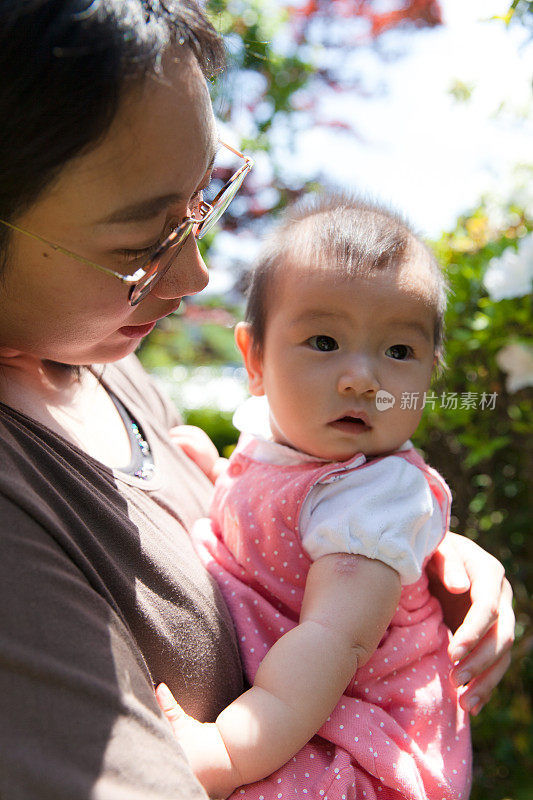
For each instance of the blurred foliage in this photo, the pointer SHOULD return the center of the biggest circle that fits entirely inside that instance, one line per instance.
(486, 454)
(249, 29)
(218, 426)
(461, 91)
(522, 11)
(197, 335)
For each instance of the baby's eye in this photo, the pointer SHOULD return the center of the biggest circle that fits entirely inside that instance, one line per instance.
(323, 343)
(399, 351)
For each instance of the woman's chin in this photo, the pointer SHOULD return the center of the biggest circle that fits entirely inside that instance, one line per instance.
(113, 349)
(114, 352)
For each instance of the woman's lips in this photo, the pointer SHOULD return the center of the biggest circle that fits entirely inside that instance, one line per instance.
(137, 331)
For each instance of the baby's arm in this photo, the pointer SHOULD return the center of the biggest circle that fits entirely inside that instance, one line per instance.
(348, 603)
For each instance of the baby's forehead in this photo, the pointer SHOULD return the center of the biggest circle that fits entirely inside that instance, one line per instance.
(412, 274)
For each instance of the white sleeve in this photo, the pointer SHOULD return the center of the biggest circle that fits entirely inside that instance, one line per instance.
(384, 510)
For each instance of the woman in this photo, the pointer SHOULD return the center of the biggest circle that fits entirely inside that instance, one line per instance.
(107, 140)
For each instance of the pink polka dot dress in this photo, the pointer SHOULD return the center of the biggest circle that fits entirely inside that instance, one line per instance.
(398, 731)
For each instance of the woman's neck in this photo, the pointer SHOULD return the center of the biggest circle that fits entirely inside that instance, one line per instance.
(29, 380)
(70, 402)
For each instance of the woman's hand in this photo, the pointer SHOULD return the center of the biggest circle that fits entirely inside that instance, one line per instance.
(477, 603)
(196, 444)
(203, 746)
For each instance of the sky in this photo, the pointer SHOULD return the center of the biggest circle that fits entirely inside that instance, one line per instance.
(416, 146)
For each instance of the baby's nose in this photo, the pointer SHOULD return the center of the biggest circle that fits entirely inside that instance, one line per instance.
(358, 377)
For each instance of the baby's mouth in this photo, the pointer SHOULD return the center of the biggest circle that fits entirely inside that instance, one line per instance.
(350, 423)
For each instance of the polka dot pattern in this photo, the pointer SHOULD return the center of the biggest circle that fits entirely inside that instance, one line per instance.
(398, 732)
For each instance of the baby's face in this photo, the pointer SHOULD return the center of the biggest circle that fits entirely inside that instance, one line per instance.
(334, 346)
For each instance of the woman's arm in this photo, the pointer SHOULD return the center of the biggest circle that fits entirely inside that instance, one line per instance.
(348, 603)
(477, 604)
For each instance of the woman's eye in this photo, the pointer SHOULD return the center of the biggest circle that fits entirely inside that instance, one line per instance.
(138, 255)
(323, 343)
(399, 351)
(144, 253)
(195, 202)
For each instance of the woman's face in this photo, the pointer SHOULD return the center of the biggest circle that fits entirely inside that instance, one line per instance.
(121, 197)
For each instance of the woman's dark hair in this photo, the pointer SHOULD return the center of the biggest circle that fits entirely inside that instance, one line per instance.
(355, 235)
(64, 65)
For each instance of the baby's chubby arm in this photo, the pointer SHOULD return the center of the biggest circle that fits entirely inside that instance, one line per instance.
(348, 603)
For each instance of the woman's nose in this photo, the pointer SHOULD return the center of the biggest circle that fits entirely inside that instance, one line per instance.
(186, 275)
(358, 377)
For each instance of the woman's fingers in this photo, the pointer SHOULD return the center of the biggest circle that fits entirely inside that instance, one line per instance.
(480, 647)
(485, 664)
(482, 616)
(481, 654)
(197, 445)
(193, 441)
(488, 628)
(170, 708)
(447, 565)
(479, 690)
(490, 596)
(167, 702)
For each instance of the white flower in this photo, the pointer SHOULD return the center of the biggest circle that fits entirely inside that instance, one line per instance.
(517, 361)
(511, 274)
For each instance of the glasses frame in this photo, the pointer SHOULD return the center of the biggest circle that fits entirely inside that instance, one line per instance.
(188, 225)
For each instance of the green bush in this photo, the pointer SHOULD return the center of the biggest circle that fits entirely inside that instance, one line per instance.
(217, 425)
(486, 455)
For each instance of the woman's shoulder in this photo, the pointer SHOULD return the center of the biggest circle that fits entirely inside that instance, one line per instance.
(43, 476)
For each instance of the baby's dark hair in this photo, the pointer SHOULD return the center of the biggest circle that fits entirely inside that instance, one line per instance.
(358, 235)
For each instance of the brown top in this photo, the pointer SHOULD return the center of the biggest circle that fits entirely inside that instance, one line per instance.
(102, 596)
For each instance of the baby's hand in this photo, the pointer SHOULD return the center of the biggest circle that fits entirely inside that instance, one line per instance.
(203, 746)
(198, 446)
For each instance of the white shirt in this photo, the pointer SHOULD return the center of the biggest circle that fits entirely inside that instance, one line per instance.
(384, 511)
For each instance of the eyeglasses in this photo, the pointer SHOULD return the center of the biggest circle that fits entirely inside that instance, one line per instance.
(145, 278)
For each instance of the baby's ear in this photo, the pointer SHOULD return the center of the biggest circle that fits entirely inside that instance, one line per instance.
(251, 357)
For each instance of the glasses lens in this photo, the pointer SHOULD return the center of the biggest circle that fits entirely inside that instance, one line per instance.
(160, 262)
(221, 204)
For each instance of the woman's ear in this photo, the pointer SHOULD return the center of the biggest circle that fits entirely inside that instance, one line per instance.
(251, 357)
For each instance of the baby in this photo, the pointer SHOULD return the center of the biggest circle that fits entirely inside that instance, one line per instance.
(320, 531)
